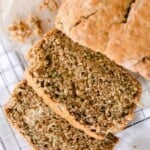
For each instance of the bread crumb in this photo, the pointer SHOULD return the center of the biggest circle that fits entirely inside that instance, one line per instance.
(22, 30)
(49, 20)
(134, 146)
(35, 24)
(51, 5)
(19, 31)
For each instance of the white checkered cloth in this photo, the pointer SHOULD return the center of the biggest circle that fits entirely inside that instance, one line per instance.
(11, 71)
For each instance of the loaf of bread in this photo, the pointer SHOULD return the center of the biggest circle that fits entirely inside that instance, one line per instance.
(82, 86)
(43, 128)
(118, 29)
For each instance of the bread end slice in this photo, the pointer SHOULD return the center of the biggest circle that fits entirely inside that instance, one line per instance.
(43, 129)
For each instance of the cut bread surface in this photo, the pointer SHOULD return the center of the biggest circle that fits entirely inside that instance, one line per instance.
(82, 86)
(43, 128)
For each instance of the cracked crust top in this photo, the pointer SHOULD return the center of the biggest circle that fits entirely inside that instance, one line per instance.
(129, 43)
(118, 29)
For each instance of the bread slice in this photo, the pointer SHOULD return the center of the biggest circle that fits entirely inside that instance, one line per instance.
(43, 128)
(84, 87)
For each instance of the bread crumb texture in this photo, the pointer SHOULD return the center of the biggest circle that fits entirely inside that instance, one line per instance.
(44, 129)
(98, 93)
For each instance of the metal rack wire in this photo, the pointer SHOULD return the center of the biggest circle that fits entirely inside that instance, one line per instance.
(12, 66)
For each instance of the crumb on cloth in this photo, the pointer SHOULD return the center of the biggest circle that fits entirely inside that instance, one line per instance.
(51, 5)
(35, 23)
(22, 30)
(19, 31)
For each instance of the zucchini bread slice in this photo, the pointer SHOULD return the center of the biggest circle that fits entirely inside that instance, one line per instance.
(84, 87)
(43, 128)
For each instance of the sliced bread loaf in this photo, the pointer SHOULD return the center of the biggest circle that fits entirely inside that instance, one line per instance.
(43, 128)
(84, 87)
(117, 28)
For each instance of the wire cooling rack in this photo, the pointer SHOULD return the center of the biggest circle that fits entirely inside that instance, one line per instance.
(12, 66)
(11, 71)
